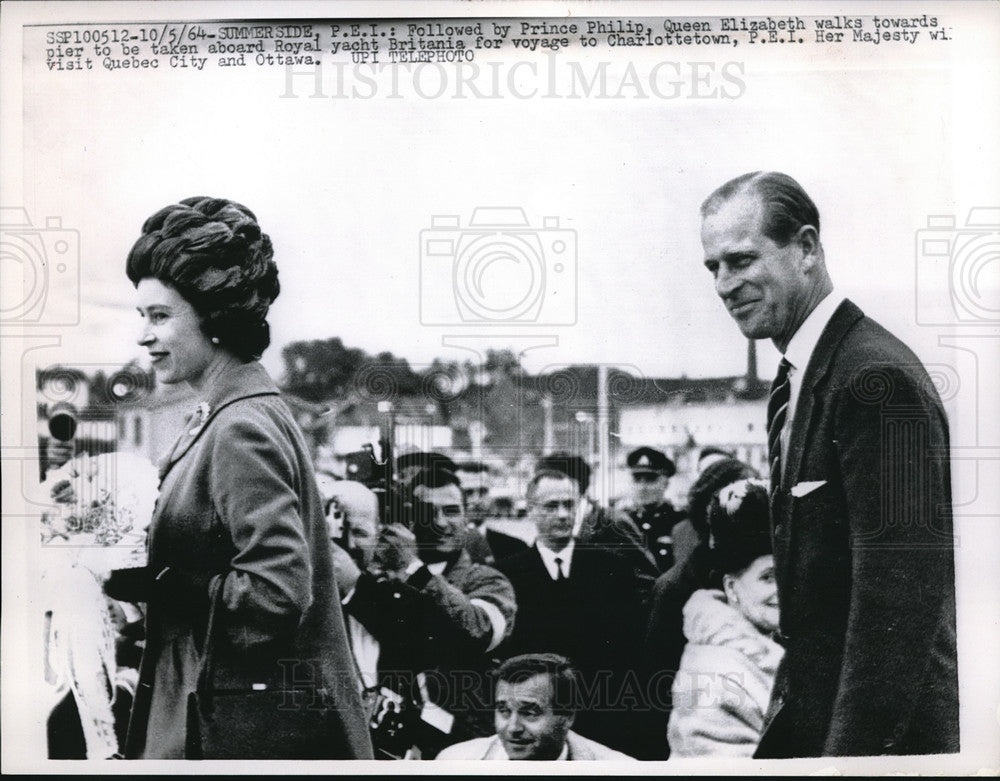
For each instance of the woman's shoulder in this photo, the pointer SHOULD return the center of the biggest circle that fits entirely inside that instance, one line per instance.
(262, 423)
(709, 621)
(708, 618)
(704, 658)
(250, 416)
(259, 407)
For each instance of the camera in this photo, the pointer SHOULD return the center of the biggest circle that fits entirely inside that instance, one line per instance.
(41, 271)
(498, 269)
(63, 419)
(958, 269)
(360, 466)
(97, 407)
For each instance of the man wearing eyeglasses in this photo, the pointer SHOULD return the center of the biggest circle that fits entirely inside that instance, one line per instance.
(436, 614)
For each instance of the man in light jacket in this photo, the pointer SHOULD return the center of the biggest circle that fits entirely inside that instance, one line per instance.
(536, 701)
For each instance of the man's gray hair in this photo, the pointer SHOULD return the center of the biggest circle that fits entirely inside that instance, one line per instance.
(787, 207)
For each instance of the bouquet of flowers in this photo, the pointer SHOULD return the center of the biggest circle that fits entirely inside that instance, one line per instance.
(102, 508)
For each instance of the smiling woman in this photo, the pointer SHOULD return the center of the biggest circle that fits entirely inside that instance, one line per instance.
(724, 682)
(179, 349)
(240, 578)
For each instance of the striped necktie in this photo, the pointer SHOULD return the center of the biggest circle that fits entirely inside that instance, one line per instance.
(777, 410)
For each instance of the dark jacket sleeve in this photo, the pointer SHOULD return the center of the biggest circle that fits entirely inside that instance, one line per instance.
(477, 611)
(664, 639)
(615, 531)
(253, 486)
(428, 609)
(892, 446)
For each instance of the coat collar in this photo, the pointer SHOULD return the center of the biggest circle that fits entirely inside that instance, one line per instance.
(495, 749)
(239, 382)
(843, 319)
(710, 620)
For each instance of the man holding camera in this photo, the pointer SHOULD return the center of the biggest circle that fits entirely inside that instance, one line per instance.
(435, 614)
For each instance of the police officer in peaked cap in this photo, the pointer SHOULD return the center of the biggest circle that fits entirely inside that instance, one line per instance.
(652, 512)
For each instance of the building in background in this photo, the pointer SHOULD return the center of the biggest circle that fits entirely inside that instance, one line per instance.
(504, 418)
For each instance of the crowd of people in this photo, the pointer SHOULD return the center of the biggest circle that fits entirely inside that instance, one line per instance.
(288, 615)
(437, 602)
(448, 618)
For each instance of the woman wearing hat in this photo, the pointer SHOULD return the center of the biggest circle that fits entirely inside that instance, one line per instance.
(723, 687)
(238, 541)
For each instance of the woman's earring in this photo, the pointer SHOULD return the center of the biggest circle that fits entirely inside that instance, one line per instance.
(215, 340)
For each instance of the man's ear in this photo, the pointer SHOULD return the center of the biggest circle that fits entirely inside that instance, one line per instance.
(569, 718)
(807, 239)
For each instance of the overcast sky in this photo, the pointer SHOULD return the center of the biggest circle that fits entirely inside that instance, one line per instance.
(345, 187)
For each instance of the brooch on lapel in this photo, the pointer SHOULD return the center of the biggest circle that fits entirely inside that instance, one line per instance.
(200, 417)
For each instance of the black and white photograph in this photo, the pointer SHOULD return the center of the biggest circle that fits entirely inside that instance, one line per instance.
(409, 387)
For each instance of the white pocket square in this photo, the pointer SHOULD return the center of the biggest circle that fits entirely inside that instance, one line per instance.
(801, 489)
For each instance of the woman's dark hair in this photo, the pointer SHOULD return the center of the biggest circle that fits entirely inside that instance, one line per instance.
(719, 474)
(739, 529)
(212, 252)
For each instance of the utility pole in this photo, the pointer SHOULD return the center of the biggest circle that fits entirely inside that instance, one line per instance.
(547, 446)
(751, 361)
(603, 427)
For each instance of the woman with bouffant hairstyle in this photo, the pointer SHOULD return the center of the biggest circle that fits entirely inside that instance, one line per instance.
(213, 253)
(242, 602)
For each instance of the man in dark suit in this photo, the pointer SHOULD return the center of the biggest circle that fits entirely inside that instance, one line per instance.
(596, 526)
(860, 493)
(580, 601)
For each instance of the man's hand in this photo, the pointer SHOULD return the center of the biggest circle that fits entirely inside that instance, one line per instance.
(344, 569)
(57, 453)
(397, 549)
(63, 492)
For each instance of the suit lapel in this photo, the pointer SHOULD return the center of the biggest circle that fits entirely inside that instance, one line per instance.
(539, 571)
(494, 749)
(844, 317)
(243, 381)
